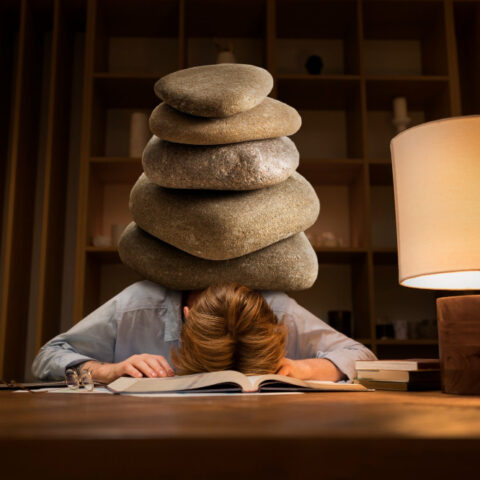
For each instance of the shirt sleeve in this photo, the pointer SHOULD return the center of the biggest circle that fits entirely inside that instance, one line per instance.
(310, 337)
(93, 338)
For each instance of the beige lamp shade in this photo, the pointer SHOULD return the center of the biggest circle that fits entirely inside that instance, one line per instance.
(436, 173)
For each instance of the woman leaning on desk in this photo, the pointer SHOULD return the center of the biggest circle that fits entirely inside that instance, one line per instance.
(141, 332)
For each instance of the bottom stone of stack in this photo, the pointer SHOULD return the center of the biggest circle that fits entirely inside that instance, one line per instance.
(289, 264)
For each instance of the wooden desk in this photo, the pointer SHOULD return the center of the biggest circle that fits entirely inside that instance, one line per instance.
(326, 435)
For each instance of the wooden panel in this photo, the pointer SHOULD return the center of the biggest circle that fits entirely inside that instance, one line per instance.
(224, 18)
(270, 44)
(358, 210)
(126, 91)
(20, 194)
(313, 19)
(55, 178)
(147, 18)
(421, 93)
(361, 297)
(83, 181)
(381, 173)
(330, 172)
(9, 26)
(182, 44)
(467, 29)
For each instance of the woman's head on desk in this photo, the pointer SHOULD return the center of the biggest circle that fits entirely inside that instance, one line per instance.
(229, 327)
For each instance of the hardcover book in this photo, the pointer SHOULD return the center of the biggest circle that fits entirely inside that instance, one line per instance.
(411, 364)
(227, 381)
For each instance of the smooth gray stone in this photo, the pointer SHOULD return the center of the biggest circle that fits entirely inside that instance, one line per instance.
(236, 166)
(215, 90)
(269, 119)
(218, 225)
(290, 264)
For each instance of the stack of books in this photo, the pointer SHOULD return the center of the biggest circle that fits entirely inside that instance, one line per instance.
(405, 375)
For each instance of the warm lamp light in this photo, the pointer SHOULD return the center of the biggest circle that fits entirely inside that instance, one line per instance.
(436, 171)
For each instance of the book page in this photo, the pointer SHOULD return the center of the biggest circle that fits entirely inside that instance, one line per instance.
(181, 382)
(273, 381)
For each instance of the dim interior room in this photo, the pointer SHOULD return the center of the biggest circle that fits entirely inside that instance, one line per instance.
(79, 69)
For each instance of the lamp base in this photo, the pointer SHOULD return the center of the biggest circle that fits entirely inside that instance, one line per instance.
(459, 343)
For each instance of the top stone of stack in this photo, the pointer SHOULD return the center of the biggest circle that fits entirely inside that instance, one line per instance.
(215, 91)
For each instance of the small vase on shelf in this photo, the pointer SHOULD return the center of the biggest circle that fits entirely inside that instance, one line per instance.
(314, 65)
(401, 120)
(225, 55)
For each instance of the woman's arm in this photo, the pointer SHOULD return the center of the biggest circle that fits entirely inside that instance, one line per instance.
(311, 369)
(317, 349)
(93, 338)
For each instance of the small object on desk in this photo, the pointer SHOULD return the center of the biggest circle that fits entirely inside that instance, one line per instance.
(227, 381)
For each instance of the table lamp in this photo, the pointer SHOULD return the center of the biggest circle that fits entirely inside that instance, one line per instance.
(436, 177)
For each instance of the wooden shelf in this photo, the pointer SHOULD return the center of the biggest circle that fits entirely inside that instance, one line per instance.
(365, 341)
(300, 77)
(329, 93)
(125, 91)
(407, 78)
(225, 18)
(385, 256)
(129, 75)
(149, 18)
(331, 171)
(340, 254)
(466, 20)
(373, 50)
(105, 255)
(407, 342)
(381, 173)
(417, 21)
(117, 171)
(427, 94)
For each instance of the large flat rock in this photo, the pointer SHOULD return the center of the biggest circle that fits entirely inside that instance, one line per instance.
(269, 119)
(219, 225)
(236, 166)
(215, 90)
(290, 264)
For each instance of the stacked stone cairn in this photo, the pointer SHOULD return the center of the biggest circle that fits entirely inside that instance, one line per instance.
(219, 199)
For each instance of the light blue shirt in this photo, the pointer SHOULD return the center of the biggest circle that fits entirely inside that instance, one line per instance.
(147, 318)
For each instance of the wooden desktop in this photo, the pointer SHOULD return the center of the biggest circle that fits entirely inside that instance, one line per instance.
(328, 435)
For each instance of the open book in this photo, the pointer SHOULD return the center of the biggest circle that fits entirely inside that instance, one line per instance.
(227, 381)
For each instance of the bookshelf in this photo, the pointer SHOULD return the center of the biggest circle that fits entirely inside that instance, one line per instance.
(425, 50)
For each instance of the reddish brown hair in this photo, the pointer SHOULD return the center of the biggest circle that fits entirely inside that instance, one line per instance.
(230, 327)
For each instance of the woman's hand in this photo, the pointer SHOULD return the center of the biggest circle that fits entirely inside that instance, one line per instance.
(143, 365)
(310, 369)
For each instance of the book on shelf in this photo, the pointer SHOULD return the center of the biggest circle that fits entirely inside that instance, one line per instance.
(227, 381)
(416, 376)
(413, 374)
(409, 365)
